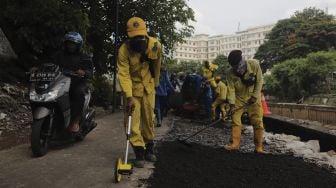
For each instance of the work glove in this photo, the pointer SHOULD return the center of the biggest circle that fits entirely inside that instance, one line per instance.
(130, 105)
(252, 100)
(232, 109)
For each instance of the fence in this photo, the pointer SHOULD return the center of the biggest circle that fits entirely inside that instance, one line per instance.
(323, 114)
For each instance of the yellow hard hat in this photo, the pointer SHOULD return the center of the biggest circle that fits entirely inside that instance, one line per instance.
(136, 27)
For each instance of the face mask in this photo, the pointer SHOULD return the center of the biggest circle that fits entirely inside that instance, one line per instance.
(138, 44)
(70, 47)
(240, 68)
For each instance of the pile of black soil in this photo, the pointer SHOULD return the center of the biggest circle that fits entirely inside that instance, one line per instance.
(203, 166)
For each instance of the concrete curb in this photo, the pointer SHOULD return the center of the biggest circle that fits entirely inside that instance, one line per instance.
(306, 131)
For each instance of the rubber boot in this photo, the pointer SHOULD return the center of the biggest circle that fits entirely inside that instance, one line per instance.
(258, 140)
(149, 152)
(236, 133)
(139, 161)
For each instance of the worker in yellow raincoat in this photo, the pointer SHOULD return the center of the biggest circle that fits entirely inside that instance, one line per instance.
(244, 86)
(220, 93)
(208, 69)
(139, 62)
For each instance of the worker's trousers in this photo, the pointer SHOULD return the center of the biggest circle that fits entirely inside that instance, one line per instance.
(142, 129)
(254, 111)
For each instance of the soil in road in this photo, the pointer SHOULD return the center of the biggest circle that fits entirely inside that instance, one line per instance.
(203, 166)
(208, 164)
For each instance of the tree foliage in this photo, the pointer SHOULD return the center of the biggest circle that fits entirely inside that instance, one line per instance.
(36, 27)
(307, 31)
(292, 79)
(223, 65)
(184, 66)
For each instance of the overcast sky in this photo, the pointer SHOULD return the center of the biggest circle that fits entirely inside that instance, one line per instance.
(222, 16)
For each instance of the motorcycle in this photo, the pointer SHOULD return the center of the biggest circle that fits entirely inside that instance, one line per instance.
(50, 104)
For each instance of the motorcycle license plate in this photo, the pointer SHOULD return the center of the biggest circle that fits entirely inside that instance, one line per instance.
(42, 76)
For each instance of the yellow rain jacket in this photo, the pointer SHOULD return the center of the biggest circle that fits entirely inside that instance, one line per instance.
(136, 81)
(239, 93)
(221, 92)
(208, 73)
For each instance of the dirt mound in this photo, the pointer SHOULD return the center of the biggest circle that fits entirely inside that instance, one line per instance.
(15, 115)
(203, 166)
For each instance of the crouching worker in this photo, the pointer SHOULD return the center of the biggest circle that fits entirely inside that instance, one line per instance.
(208, 70)
(139, 62)
(220, 100)
(244, 87)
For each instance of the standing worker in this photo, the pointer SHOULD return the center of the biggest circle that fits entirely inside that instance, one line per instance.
(244, 87)
(161, 96)
(220, 93)
(139, 62)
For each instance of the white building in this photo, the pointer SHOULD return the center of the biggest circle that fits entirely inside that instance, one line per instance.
(204, 47)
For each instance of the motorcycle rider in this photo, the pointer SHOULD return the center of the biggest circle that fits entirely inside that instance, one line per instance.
(72, 58)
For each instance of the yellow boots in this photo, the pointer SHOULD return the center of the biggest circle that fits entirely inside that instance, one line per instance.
(236, 133)
(258, 140)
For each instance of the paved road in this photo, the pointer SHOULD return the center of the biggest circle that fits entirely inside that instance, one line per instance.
(89, 163)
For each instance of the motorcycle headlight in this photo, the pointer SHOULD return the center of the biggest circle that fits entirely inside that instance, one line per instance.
(45, 97)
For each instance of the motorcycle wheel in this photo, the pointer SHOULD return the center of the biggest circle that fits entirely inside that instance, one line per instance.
(80, 137)
(39, 138)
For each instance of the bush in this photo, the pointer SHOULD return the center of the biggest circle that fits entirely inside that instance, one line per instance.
(295, 78)
(102, 91)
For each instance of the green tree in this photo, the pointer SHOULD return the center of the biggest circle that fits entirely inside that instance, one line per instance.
(307, 31)
(35, 28)
(223, 65)
(292, 79)
(161, 16)
(183, 66)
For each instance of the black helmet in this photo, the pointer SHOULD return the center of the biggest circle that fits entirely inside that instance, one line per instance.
(235, 57)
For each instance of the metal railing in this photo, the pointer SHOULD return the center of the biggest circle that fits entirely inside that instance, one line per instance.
(323, 114)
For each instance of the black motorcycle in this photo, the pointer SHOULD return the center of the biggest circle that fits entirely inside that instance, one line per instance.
(50, 104)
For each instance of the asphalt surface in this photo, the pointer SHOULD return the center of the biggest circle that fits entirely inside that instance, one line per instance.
(204, 163)
(89, 163)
